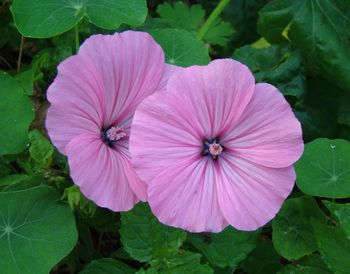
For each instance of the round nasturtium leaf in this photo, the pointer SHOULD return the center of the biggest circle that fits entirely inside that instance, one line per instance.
(36, 231)
(324, 169)
(181, 47)
(43, 19)
(17, 112)
(292, 233)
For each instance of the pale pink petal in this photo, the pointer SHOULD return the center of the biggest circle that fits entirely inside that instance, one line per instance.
(170, 70)
(161, 138)
(103, 174)
(129, 66)
(212, 97)
(185, 196)
(251, 195)
(268, 132)
(75, 103)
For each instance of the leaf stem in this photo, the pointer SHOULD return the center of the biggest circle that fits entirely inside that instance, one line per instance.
(212, 17)
(77, 43)
(20, 54)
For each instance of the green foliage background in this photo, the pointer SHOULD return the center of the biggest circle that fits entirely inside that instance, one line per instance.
(301, 46)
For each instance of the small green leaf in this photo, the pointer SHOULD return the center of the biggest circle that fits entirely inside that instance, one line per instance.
(181, 16)
(191, 18)
(323, 170)
(334, 247)
(40, 150)
(181, 47)
(43, 19)
(17, 115)
(292, 232)
(279, 65)
(13, 179)
(183, 262)
(107, 266)
(77, 200)
(214, 246)
(145, 239)
(30, 75)
(263, 259)
(342, 213)
(219, 33)
(36, 232)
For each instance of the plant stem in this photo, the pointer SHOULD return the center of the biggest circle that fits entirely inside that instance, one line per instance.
(77, 44)
(20, 54)
(212, 17)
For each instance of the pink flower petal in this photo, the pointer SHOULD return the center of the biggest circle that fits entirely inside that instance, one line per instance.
(75, 103)
(103, 174)
(268, 132)
(185, 196)
(170, 70)
(129, 66)
(213, 97)
(251, 195)
(158, 139)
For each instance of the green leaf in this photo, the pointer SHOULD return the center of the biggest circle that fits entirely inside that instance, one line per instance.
(191, 18)
(31, 181)
(30, 75)
(40, 150)
(243, 15)
(36, 232)
(145, 239)
(43, 19)
(181, 47)
(292, 232)
(312, 264)
(5, 167)
(214, 246)
(77, 200)
(263, 259)
(278, 65)
(17, 115)
(334, 247)
(181, 16)
(342, 213)
(219, 33)
(107, 266)
(323, 170)
(318, 28)
(183, 262)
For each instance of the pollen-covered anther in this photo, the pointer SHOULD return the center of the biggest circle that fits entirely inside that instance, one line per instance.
(115, 134)
(215, 149)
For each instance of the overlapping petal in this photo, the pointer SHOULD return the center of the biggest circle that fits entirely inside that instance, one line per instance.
(268, 132)
(107, 186)
(250, 195)
(186, 196)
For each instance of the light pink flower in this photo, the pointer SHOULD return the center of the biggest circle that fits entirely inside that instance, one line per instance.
(216, 149)
(93, 100)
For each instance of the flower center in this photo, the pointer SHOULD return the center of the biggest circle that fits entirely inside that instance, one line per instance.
(212, 148)
(112, 134)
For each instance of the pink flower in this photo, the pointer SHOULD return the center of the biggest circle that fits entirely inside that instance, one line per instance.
(93, 100)
(216, 149)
